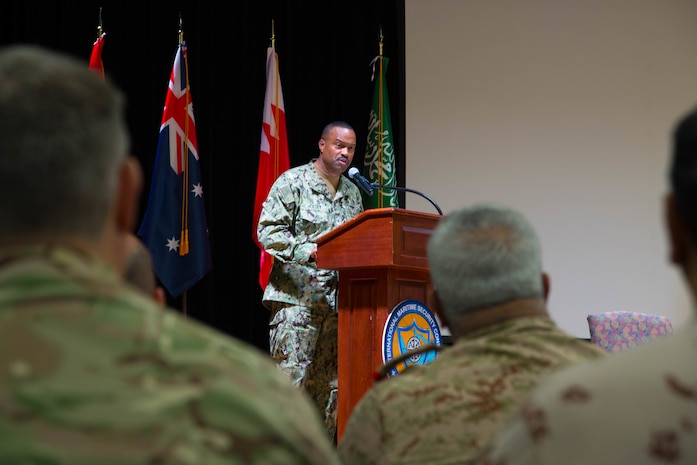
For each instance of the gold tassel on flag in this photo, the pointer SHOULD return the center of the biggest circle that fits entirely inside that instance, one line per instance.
(184, 245)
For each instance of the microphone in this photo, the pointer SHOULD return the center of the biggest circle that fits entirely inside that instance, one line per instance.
(362, 182)
(406, 189)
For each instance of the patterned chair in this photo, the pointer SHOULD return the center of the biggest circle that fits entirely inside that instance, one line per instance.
(617, 331)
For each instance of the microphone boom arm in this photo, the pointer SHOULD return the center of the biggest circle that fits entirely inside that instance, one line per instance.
(406, 189)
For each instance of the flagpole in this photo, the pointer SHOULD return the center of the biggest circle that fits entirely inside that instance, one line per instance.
(273, 149)
(184, 245)
(99, 27)
(174, 223)
(379, 163)
(381, 121)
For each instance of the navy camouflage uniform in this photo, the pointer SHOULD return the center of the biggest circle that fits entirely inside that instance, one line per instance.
(302, 298)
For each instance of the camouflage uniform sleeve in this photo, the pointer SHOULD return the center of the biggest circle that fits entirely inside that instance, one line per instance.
(100, 381)
(277, 220)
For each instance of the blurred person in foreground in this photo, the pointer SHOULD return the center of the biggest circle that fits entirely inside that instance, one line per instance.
(490, 291)
(92, 370)
(637, 407)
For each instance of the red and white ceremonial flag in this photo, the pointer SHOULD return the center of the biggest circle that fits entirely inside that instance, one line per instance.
(273, 153)
(96, 64)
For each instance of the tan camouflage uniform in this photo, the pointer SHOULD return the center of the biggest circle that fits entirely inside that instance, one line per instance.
(446, 411)
(302, 298)
(94, 373)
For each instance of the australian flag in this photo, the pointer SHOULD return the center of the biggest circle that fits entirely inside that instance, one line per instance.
(174, 225)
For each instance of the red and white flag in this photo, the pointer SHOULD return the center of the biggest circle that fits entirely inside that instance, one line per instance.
(273, 153)
(96, 64)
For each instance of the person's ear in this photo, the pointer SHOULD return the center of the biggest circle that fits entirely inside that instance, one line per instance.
(546, 283)
(320, 145)
(437, 308)
(678, 240)
(159, 295)
(128, 194)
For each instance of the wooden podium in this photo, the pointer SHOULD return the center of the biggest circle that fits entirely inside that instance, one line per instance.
(381, 259)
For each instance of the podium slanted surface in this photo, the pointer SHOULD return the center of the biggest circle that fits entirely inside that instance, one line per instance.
(378, 237)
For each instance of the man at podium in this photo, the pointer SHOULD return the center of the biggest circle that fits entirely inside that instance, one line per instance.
(304, 203)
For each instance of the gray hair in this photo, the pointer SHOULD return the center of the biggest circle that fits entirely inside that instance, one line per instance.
(63, 136)
(484, 255)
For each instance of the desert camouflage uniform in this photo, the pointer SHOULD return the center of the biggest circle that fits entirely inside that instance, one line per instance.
(446, 411)
(302, 298)
(94, 373)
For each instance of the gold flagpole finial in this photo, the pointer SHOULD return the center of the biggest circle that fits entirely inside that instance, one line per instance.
(181, 30)
(273, 35)
(381, 37)
(100, 30)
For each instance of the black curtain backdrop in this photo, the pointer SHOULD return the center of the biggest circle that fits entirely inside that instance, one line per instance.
(324, 49)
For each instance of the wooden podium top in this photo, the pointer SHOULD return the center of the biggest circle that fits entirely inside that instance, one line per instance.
(378, 237)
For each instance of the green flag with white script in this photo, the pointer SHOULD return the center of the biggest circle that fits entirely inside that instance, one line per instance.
(379, 163)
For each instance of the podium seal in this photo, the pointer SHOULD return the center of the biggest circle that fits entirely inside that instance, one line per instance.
(410, 326)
